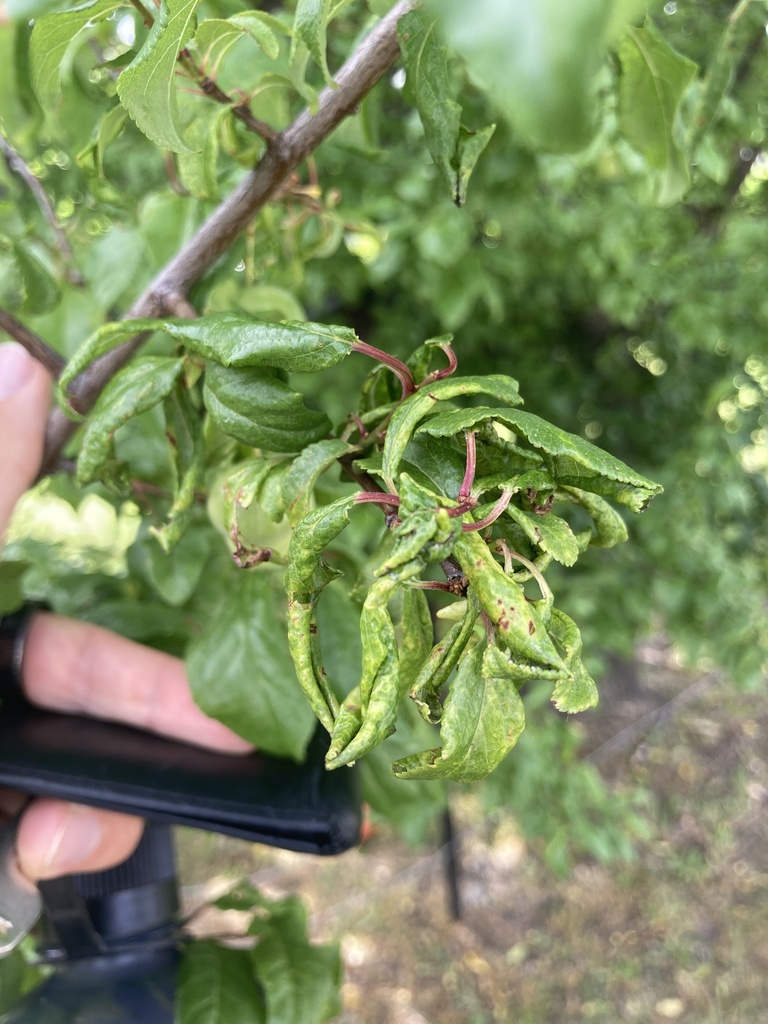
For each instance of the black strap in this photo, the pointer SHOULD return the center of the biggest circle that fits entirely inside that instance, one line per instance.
(69, 919)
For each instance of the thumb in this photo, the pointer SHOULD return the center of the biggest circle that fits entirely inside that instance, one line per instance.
(58, 838)
(25, 390)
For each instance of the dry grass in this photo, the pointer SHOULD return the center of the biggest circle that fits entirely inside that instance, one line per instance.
(679, 934)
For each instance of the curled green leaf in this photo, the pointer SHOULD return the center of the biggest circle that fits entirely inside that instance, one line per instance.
(574, 462)
(442, 660)
(575, 691)
(609, 526)
(303, 473)
(139, 386)
(519, 624)
(187, 448)
(548, 532)
(410, 412)
(239, 339)
(416, 635)
(482, 720)
(259, 409)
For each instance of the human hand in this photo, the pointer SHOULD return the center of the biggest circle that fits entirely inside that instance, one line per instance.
(75, 667)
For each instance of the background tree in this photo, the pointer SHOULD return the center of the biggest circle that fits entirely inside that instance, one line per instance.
(166, 162)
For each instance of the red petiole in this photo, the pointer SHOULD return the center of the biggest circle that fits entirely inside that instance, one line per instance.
(493, 515)
(395, 365)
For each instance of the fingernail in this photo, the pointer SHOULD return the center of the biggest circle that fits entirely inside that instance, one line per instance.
(16, 368)
(76, 836)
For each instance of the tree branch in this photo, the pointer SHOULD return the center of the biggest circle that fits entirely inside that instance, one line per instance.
(42, 352)
(285, 152)
(20, 168)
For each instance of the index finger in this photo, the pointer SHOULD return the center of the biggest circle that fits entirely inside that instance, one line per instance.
(25, 390)
(83, 669)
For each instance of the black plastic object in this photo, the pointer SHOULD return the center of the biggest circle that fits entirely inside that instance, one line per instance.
(265, 799)
(114, 934)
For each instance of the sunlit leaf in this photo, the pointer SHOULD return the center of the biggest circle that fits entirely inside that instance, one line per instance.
(52, 37)
(654, 79)
(536, 61)
(309, 26)
(147, 88)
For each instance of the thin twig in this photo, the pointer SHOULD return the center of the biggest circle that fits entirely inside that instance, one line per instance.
(355, 79)
(18, 165)
(242, 110)
(39, 349)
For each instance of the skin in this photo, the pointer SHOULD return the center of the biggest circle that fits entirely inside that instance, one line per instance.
(75, 667)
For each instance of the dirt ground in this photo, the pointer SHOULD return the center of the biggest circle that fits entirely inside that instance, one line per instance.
(678, 934)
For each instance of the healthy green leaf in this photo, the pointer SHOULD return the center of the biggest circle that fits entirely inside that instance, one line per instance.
(240, 670)
(142, 384)
(52, 37)
(215, 37)
(426, 65)
(198, 166)
(11, 593)
(481, 722)
(173, 576)
(654, 80)
(536, 61)
(41, 290)
(419, 405)
(300, 980)
(576, 463)
(150, 622)
(217, 986)
(260, 410)
(147, 87)
(309, 26)
(436, 462)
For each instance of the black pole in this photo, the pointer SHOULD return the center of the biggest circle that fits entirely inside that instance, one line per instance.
(452, 864)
